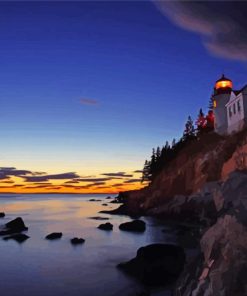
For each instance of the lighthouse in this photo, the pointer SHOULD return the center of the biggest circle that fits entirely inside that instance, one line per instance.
(221, 96)
(230, 107)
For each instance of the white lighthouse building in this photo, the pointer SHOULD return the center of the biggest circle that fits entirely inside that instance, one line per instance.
(230, 107)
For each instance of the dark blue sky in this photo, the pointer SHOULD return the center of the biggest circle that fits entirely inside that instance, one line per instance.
(93, 86)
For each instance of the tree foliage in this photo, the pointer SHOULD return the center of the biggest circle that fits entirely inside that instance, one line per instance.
(162, 156)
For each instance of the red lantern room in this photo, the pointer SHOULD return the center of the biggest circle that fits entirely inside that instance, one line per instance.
(223, 85)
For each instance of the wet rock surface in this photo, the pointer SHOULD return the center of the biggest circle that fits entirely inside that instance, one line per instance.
(15, 226)
(54, 235)
(135, 225)
(106, 226)
(2, 215)
(156, 264)
(77, 241)
(222, 267)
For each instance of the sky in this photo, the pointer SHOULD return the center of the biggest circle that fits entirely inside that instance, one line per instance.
(87, 89)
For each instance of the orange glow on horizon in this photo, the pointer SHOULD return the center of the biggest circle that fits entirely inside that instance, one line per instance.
(18, 185)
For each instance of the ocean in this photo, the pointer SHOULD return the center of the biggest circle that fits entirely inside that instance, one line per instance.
(40, 267)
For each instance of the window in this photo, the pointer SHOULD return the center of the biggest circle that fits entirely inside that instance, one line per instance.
(239, 107)
(234, 108)
(230, 111)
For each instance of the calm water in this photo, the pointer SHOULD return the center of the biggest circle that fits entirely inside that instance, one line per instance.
(40, 267)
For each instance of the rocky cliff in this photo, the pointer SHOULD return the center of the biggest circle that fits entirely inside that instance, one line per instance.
(221, 268)
(205, 186)
(210, 158)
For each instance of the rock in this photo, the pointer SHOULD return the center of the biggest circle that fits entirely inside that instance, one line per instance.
(19, 237)
(2, 215)
(222, 267)
(99, 218)
(156, 264)
(77, 241)
(15, 226)
(136, 225)
(104, 204)
(93, 199)
(108, 197)
(106, 226)
(54, 235)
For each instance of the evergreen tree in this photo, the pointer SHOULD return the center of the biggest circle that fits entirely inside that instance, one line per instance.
(211, 104)
(173, 143)
(189, 131)
(200, 122)
(158, 153)
(146, 171)
(153, 163)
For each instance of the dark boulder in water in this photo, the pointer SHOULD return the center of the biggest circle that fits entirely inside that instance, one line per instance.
(77, 241)
(106, 226)
(156, 264)
(2, 215)
(93, 199)
(108, 197)
(15, 226)
(104, 204)
(135, 225)
(19, 237)
(54, 235)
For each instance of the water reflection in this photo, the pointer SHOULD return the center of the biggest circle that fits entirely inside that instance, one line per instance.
(41, 267)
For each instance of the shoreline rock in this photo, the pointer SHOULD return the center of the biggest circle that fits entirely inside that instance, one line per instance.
(2, 215)
(156, 264)
(135, 225)
(77, 241)
(105, 226)
(14, 226)
(54, 235)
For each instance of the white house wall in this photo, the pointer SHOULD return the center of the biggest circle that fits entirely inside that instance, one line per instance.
(238, 115)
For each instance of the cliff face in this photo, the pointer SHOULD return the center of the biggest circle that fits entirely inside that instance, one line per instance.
(211, 158)
(221, 269)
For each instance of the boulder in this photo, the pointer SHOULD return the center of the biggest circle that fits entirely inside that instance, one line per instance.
(54, 235)
(106, 226)
(108, 197)
(15, 226)
(222, 267)
(77, 241)
(156, 264)
(2, 215)
(93, 199)
(135, 225)
(104, 204)
(19, 237)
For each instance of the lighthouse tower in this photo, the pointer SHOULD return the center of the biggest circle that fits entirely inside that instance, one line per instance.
(221, 96)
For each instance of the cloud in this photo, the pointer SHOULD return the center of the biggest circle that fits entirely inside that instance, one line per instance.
(221, 24)
(132, 181)
(50, 177)
(72, 182)
(138, 171)
(89, 102)
(93, 179)
(119, 174)
(6, 172)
